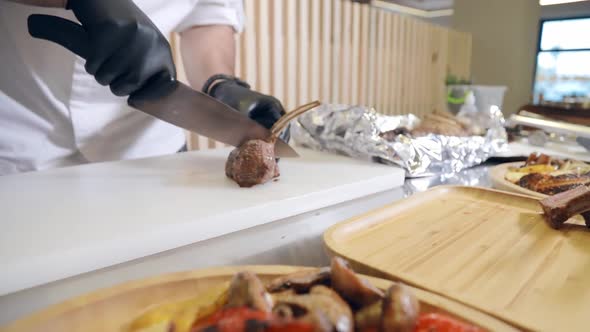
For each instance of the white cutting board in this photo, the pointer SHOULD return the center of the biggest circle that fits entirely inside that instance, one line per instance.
(64, 222)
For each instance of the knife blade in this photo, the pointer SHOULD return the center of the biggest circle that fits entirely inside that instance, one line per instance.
(585, 142)
(180, 105)
(555, 126)
(169, 101)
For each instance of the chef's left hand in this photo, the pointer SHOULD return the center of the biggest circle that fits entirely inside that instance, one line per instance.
(261, 108)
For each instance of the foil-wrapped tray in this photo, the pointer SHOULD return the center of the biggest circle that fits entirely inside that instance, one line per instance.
(358, 131)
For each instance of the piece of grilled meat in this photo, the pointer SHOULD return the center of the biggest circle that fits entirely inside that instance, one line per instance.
(559, 208)
(551, 185)
(252, 163)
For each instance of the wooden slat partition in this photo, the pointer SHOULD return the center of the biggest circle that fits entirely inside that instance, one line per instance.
(341, 51)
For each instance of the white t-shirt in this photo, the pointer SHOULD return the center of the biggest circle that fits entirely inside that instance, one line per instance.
(53, 114)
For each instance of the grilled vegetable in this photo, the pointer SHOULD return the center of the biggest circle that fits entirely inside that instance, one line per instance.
(400, 310)
(354, 289)
(440, 323)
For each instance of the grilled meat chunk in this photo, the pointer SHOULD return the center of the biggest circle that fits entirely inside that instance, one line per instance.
(252, 163)
(559, 208)
(551, 185)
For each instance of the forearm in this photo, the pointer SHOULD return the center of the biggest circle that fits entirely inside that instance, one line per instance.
(206, 51)
(44, 3)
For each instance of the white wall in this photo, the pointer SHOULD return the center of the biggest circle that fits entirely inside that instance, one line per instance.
(573, 9)
(505, 36)
(445, 21)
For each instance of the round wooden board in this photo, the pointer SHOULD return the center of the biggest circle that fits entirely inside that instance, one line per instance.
(110, 309)
(497, 174)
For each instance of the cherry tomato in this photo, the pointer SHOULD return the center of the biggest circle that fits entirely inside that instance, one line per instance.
(441, 323)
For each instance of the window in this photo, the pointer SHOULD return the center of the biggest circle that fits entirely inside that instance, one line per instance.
(563, 61)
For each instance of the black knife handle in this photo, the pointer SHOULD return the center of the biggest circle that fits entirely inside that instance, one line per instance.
(60, 31)
(73, 37)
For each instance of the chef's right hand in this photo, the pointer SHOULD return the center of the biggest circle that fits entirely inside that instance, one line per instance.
(122, 47)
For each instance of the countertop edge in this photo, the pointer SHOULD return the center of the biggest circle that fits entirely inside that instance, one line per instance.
(27, 274)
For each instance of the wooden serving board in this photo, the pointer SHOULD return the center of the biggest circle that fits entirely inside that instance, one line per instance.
(499, 181)
(112, 308)
(488, 249)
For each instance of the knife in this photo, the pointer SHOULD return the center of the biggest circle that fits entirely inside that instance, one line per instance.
(180, 105)
(585, 142)
(555, 126)
(169, 101)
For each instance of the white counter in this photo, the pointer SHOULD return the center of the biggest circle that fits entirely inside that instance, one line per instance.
(522, 148)
(102, 224)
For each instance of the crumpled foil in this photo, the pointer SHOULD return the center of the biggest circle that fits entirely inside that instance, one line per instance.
(355, 131)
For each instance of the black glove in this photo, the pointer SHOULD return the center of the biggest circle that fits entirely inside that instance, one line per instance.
(236, 93)
(122, 47)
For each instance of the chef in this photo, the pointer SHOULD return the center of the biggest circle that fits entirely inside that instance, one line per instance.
(57, 109)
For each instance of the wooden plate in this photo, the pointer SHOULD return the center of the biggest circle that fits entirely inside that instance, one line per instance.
(110, 309)
(488, 249)
(497, 174)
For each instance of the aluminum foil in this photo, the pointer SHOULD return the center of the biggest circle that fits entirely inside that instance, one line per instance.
(355, 131)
